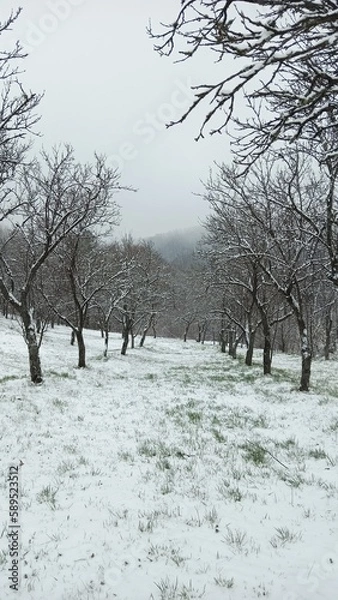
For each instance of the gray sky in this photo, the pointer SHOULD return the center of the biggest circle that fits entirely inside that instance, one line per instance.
(106, 90)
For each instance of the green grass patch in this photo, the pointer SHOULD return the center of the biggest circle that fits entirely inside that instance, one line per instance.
(9, 378)
(61, 374)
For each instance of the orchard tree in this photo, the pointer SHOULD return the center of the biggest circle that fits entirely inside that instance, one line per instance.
(318, 162)
(58, 197)
(248, 299)
(278, 57)
(145, 296)
(276, 239)
(85, 271)
(18, 116)
(114, 292)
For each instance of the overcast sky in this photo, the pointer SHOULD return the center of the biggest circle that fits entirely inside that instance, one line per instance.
(106, 90)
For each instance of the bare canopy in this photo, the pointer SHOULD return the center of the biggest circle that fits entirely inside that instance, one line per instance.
(283, 62)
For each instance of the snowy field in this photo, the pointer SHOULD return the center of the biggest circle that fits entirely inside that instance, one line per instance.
(174, 473)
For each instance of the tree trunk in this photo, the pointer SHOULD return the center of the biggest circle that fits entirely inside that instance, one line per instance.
(328, 330)
(267, 355)
(199, 333)
(249, 352)
(185, 335)
(33, 348)
(235, 345)
(232, 348)
(144, 334)
(82, 349)
(125, 336)
(282, 340)
(106, 341)
(223, 341)
(306, 362)
(267, 351)
(143, 337)
(38, 325)
(72, 338)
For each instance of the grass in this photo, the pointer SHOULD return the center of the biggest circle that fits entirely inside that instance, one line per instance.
(150, 377)
(218, 435)
(229, 492)
(148, 448)
(194, 417)
(171, 590)
(60, 375)
(7, 378)
(60, 404)
(317, 453)
(178, 484)
(224, 582)
(333, 427)
(48, 495)
(66, 466)
(284, 536)
(237, 539)
(254, 453)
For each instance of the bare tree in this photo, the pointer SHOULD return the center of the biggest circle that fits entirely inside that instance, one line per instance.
(114, 292)
(145, 286)
(285, 65)
(58, 197)
(86, 272)
(18, 117)
(249, 301)
(274, 237)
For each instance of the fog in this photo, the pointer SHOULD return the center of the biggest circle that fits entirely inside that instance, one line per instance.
(106, 90)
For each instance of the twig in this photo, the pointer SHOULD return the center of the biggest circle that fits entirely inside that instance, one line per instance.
(268, 452)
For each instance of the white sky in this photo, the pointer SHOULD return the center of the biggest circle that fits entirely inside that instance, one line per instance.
(106, 90)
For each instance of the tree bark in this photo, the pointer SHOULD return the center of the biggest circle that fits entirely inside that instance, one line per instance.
(33, 347)
(185, 335)
(5, 308)
(328, 330)
(199, 333)
(82, 349)
(306, 362)
(232, 348)
(267, 351)
(143, 337)
(204, 333)
(249, 352)
(267, 355)
(106, 341)
(125, 336)
(223, 341)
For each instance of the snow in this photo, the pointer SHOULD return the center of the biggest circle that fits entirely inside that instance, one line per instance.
(173, 472)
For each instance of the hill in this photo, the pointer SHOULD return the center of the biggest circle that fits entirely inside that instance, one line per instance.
(172, 473)
(177, 245)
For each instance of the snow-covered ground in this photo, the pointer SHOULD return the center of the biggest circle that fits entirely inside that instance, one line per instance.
(171, 473)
